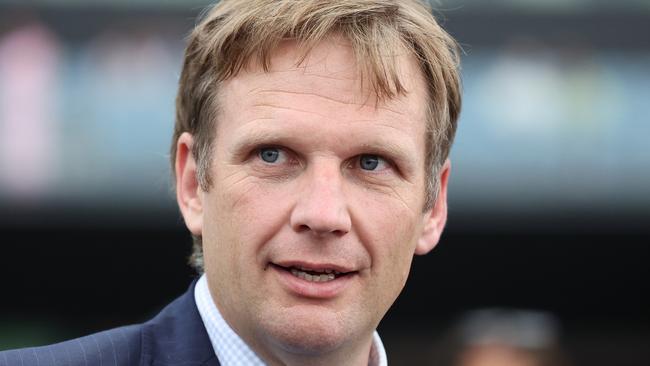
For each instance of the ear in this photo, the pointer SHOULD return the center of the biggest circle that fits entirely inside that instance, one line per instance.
(188, 191)
(436, 218)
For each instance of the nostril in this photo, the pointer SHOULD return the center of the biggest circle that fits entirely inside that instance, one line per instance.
(317, 231)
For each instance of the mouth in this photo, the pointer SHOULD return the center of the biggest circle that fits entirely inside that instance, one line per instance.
(314, 274)
(316, 281)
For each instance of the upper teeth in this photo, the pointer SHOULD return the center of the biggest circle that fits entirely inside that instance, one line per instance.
(326, 275)
(319, 270)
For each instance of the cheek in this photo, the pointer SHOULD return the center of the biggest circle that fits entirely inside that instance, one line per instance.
(400, 249)
(255, 213)
(234, 243)
(392, 231)
(391, 244)
(391, 222)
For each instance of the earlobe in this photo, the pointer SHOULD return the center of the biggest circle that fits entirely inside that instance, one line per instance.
(188, 192)
(436, 218)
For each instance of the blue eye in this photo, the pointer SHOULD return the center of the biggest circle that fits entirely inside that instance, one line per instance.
(269, 154)
(369, 162)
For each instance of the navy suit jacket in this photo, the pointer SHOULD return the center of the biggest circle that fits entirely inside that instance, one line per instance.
(176, 336)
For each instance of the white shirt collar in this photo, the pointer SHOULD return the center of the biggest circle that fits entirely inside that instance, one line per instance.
(232, 350)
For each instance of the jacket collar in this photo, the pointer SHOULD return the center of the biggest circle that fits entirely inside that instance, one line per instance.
(177, 336)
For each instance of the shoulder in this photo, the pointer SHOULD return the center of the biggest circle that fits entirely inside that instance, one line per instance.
(120, 346)
(176, 336)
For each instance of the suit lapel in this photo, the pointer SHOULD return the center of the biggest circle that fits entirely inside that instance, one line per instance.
(177, 336)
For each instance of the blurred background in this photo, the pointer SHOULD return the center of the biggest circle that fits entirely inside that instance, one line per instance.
(549, 218)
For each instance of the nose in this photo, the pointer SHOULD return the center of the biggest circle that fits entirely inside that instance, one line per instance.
(321, 207)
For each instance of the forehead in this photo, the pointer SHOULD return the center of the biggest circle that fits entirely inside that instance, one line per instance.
(327, 86)
(333, 62)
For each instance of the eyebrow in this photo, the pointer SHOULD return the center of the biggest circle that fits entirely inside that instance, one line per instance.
(392, 151)
(256, 138)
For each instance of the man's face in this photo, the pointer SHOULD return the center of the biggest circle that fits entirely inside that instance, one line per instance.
(316, 207)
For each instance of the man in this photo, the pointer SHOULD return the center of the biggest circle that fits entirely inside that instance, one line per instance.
(310, 157)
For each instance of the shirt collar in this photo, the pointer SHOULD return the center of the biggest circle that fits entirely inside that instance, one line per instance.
(232, 350)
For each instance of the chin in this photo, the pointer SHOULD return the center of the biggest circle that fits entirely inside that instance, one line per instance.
(308, 332)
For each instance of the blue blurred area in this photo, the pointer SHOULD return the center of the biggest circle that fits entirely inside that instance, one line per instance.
(106, 114)
(554, 128)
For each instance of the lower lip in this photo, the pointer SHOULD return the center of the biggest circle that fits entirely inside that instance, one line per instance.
(314, 290)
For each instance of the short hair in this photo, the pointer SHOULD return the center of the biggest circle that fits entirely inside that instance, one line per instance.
(234, 33)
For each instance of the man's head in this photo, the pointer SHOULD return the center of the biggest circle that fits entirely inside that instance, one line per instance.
(310, 155)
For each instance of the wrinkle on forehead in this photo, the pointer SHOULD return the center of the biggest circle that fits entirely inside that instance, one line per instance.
(338, 68)
(400, 116)
(346, 102)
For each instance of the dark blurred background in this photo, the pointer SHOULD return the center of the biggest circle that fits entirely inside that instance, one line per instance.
(549, 195)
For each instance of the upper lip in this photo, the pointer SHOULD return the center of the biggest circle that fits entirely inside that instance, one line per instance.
(314, 266)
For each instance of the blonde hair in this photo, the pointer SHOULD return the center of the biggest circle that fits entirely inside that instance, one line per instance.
(234, 33)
